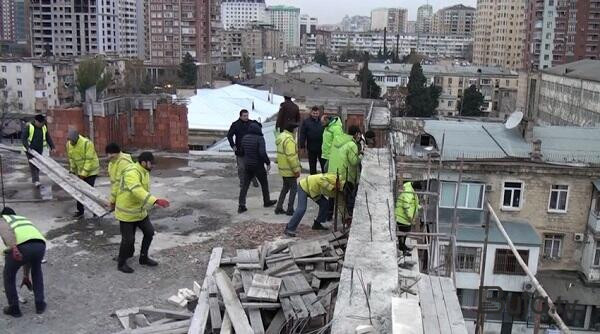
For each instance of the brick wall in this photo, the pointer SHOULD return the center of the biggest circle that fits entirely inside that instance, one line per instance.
(168, 133)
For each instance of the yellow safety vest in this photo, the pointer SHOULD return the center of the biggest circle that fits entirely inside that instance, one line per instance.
(320, 185)
(83, 159)
(407, 205)
(23, 229)
(134, 198)
(287, 155)
(31, 130)
(115, 170)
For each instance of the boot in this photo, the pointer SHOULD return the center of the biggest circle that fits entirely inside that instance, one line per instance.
(318, 226)
(279, 211)
(290, 212)
(242, 209)
(13, 311)
(123, 267)
(270, 203)
(40, 307)
(146, 261)
(289, 233)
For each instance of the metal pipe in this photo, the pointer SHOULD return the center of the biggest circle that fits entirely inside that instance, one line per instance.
(481, 315)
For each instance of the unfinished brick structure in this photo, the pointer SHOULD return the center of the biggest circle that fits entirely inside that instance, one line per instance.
(163, 128)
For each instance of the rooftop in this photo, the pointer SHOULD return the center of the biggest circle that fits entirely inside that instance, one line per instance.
(313, 68)
(284, 8)
(586, 69)
(521, 233)
(326, 79)
(442, 69)
(282, 84)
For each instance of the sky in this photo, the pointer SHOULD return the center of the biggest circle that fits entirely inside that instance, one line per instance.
(332, 11)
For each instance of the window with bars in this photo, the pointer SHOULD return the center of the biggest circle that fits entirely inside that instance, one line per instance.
(559, 195)
(506, 263)
(552, 245)
(468, 259)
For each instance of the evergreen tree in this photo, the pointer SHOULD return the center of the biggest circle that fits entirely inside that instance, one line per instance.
(188, 71)
(246, 64)
(91, 72)
(471, 103)
(422, 100)
(372, 90)
(321, 58)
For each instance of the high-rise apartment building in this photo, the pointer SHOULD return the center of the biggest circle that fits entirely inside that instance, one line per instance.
(454, 20)
(559, 32)
(7, 20)
(424, 17)
(257, 41)
(308, 24)
(355, 23)
(395, 20)
(499, 33)
(239, 14)
(287, 20)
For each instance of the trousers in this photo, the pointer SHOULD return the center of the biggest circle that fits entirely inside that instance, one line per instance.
(128, 229)
(289, 185)
(301, 209)
(33, 252)
(312, 162)
(250, 173)
(241, 170)
(402, 239)
(91, 180)
(35, 172)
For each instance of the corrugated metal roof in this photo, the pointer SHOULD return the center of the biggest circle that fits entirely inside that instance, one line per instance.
(521, 233)
(587, 69)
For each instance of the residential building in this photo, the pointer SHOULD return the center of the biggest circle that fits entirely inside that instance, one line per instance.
(355, 23)
(540, 182)
(255, 42)
(411, 27)
(499, 33)
(14, 27)
(394, 20)
(559, 32)
(454, 20)
(424, 17)
(499, 86)
(239, 14)
(308, 34)
(287, 20)
(566, 94)
(308, 24)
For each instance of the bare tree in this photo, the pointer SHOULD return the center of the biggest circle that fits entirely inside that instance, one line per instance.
(9, 103)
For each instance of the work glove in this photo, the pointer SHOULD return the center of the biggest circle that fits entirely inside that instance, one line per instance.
(163, 203)
(27, 282)
(16, 254)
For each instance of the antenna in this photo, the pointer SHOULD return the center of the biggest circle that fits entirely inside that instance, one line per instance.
(513, 120)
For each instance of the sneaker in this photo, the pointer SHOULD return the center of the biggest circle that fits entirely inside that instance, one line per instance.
(146, 261)
(40, 307)
(290, 212)
(319, 227)
(289, 233)
(279, 211)
(270, 203)
(37, 184)
(125, 268)
(242, 208)
(13, 311)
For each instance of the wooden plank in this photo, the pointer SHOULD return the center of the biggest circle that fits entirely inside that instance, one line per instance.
(406, 316)
(280, 267)
(290, 271)
(296, 300)
(264, 306)
(247, 256)
(316, 283)
(164, 328)
(428, 309)
(326, 274)
(141, 320)
(279, 248)
(440, 305)
(213, 305)
(248, 266)
(166, 313)
(233, 306)
(265, 288)
(455, 316)
(310, 299)
(305, 249)
(200, 317)
(263, 255)
(287, 309)
(226, 327)
(329, 259)
(276, 324)
(253, 314)
(288, 293)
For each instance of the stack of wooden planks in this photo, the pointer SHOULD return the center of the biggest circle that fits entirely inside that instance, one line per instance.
(136, 320)
(284, 287)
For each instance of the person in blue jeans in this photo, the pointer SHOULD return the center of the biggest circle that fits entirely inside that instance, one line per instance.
(319, 188)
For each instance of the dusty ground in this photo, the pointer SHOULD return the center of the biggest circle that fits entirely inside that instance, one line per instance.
(82, 284)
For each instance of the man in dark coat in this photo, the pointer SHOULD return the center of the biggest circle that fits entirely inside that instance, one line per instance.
(311, 138)
(239, 129)
(288, 113)
(255, 156)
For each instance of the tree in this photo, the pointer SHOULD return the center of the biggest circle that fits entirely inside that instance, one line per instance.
(135, 76)
(188, 71)
(246, 64)
(8, 103)
(369, 88)
(422, 100)
(92, 72)
(471, 102)
(412, 58)
(321, 58)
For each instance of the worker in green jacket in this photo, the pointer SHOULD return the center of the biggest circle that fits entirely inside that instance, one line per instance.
(26, 247)
(83, 162)
(406, 212)
(119, 161)
(131, 209)
(333, 128)
(288, 164)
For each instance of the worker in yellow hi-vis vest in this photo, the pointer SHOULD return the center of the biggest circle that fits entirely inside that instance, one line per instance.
(406, 213)
(83, 162)
(35, 136)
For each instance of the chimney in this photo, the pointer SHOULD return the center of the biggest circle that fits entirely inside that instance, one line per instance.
(526, 126)
(536, 154)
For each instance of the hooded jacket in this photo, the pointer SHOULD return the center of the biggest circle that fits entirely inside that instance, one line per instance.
(333, 129)
(287, 155)
(253, 147)
(344, 158)
(407, 205)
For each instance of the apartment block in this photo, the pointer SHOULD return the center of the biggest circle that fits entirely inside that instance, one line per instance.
(560, 32)
(499, 33)
(239, 14)
(257, 42)
(395, 20)
(424, 18)
(287, 20)
(454, 20)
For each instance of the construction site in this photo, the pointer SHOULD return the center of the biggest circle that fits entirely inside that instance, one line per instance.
(475, 266)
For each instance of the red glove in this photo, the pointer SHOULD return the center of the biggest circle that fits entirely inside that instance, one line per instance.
(163, 203)
(27, 282)
(16, 254)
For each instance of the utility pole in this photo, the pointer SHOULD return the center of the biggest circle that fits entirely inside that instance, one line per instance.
(398, 47)
(455, 223)
(384, 42)
(480, 314)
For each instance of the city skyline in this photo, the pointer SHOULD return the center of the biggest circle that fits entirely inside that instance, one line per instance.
(329, 12)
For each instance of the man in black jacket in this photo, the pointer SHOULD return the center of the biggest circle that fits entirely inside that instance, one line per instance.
(35, 136)
(289, 112)
(255, 156)
(239, 129)
(311, 138)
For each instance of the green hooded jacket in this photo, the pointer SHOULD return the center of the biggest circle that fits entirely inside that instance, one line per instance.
(332, 130)
(407, 205)
(344, 158)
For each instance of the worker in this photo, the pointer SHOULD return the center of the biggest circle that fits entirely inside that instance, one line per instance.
(119, 161)
(26, 247)
(407, 207)
(344, 160)
(311, 138)
(83, 162)
(35, 136)
(318, 187)
(288, 113)
(131, 209)
(288, 164)
(239, 129)
(332, 128)
(256, 159)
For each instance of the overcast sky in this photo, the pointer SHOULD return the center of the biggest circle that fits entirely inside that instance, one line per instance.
(332, 11)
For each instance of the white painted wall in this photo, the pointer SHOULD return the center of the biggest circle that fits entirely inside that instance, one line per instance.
(10, 71)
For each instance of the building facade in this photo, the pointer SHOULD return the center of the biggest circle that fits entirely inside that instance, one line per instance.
(254, 42)
(238, 14)
(355, 23)
(395, 20)
(560, 32)
(454, 20)
(499, 33)
(308, 24)
(287, 20)
(424, 18)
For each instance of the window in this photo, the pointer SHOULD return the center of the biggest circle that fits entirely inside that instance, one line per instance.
(470, 195)
(18, 69)
(19, 81)
(506, 263)
(449, 103)
(559, 195)
(512, 195)
(552, 245)
(597, 254)
(468, 259)
(19, 93)
(3, 69)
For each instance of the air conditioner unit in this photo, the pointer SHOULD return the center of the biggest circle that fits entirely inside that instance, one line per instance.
(579, 237)
(489, 188)
(528, 287)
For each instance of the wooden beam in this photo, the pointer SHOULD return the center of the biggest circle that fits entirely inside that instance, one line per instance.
(166, 313)
(234, 309)
(200, 317)
(264, 306)
(276, 324)
(160, 329)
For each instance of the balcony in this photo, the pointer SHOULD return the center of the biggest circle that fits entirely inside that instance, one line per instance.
(594, 222)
